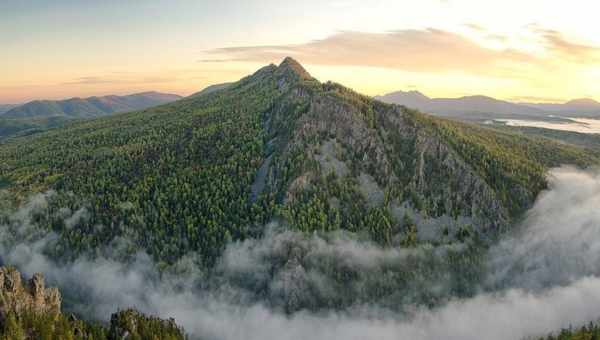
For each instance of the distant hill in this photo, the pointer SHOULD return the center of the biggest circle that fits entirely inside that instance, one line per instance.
(89, 107)
(465, 108)
(575, 108)
(6, 107)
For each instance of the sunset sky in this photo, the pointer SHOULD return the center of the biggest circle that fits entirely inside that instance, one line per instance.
(521, 50)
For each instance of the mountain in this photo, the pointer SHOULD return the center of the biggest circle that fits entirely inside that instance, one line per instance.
(200, 172)
(6, 107)
(89, 107)
(29, 310)
(412, 99)
(575, 108)
(471, 108)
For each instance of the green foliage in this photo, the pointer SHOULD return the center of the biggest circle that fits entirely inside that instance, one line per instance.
(586, 140)
(48, 326)
(142, 327)
(588, 332)
(27, 126)
(508, 162)
(175, 178)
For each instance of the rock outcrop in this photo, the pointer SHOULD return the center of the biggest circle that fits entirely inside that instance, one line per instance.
(30, 296)
(131, 324)
(19, 299)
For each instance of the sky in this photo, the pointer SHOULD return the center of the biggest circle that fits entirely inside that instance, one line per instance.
(519, 50)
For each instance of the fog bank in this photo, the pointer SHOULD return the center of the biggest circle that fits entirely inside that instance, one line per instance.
(538, 280)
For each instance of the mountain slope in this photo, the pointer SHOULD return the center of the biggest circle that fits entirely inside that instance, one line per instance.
(211, 89)
(27, 126)
(195, 174)
(6, 107)
(89, 107)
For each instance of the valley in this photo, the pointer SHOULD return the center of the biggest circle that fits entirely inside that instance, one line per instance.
(582, 125)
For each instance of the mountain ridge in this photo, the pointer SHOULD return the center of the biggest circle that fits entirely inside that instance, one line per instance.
(89, 107)
(480, 107)
(6, 107)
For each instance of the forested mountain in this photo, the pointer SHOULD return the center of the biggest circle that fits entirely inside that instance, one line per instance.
(89, 107)
(197, 173)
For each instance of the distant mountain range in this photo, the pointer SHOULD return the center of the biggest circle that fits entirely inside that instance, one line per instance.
(578, 107)
(483, 108)
(89, 107)
(41, 115)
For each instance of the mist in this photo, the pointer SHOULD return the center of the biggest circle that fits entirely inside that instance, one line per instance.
(285, 285)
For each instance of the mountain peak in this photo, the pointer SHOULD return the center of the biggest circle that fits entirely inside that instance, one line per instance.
(289, 64)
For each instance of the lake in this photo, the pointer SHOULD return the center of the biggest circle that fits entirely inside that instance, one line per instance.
(582, 125)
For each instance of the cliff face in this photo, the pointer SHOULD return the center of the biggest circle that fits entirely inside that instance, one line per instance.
(359, 154)
(29, 296)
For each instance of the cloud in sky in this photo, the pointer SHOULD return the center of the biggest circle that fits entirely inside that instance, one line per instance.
(579, 52)
(429, 50)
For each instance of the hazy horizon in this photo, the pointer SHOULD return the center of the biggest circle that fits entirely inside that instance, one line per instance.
(62, 49)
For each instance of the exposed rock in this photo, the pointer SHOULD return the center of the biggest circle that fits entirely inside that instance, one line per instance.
(371, 190)
(260, 180)
(32, 296)
(329, 160)
(385, 150)
(131, 324)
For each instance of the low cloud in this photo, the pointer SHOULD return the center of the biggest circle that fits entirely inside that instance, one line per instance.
(538, 280)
